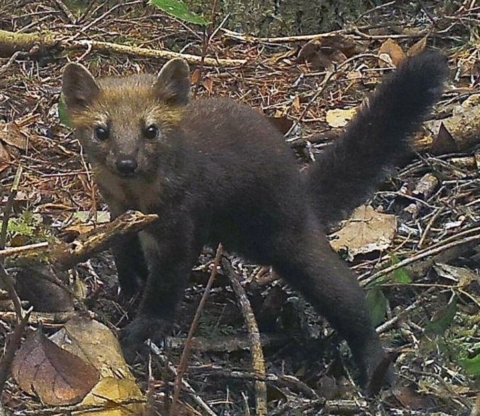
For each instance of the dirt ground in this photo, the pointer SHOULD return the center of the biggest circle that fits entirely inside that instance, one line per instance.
(428, 301)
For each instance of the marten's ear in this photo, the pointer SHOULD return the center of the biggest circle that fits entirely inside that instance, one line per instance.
(173, 82)
(79, 88)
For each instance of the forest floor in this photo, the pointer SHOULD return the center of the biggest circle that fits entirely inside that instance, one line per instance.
(428, 303)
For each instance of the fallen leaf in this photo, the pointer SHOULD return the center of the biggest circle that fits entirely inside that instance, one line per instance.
(12, 135)
(195, 76)
(57, 376)
(376, 305)
(340, 117)
(460, 275)
(208, 84)
(313, 54)
(442, 319)
(108, 392)
(443, 142)
(410, 399)
(418, 47)
(4, 158)
(391, 52)
(94, 343)
(366, 231)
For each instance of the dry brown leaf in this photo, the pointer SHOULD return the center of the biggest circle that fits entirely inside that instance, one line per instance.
(208, 84)
(296, 105)
(96, 344)
(391, 52)
(313, 54)
(12, 135)
(195, 76)
(284, 55)
(417, 47)
(410, 399)
(58, 377)
(4, 158)
(366, 231)
(460, 275)
(340, 117)
(442, 142)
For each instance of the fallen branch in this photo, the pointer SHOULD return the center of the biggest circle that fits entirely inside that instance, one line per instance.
(458, 133)
(258, 362)
(66, 255)
(182, 366)
(11, 42)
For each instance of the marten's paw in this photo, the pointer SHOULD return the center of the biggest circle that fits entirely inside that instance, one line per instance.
(134, 335)
(376, 368)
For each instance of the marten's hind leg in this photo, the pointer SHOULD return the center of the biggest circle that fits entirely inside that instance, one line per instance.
(307, 262)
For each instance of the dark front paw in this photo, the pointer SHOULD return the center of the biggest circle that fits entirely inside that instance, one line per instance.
(133, 336)
(378, 370)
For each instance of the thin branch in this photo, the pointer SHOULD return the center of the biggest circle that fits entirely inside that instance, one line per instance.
(258, 361)
(182, 366)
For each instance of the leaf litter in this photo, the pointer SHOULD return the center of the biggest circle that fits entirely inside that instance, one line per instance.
(281, 80)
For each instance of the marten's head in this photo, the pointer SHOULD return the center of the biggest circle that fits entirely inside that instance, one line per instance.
(127, 125)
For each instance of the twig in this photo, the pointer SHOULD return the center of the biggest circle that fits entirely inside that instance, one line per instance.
(7, 281)
(14, 342)
(8, 207)
(11, 42)
(182, 366)
(109, 407)
(329, 75)
(429, 226)
(185, 384)
(226, 343)
(306, 38)
(103, 16)
(391, 322)
(66, 11)
(420, 256)
(207, 33)
(10, 61)
(65, 256)
(284, 380)
(258, 362)
(152, 53)
(10, 251)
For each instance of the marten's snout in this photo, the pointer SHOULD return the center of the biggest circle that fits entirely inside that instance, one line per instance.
(126, 165)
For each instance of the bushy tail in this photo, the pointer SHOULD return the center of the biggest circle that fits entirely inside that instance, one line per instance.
(349, 170)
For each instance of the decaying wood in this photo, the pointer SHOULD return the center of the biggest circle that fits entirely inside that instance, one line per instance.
(66, 255)
(42, 42)
(462, 129)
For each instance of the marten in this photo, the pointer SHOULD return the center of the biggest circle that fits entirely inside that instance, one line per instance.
(215, 170)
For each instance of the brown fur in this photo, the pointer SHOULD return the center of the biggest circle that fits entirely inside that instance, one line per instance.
(217, 171)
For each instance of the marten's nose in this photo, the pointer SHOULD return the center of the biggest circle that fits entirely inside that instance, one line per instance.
(126, 165)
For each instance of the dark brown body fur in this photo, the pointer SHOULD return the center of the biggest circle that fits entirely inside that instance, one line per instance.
(219, 172)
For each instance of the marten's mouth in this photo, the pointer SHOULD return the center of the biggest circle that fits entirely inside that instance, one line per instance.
(122, 175)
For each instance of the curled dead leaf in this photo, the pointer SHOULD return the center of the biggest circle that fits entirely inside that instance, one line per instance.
(57, 376)
(390, 52)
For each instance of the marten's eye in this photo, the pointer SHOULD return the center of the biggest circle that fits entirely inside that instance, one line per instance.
(151, 132)
(101, 133)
